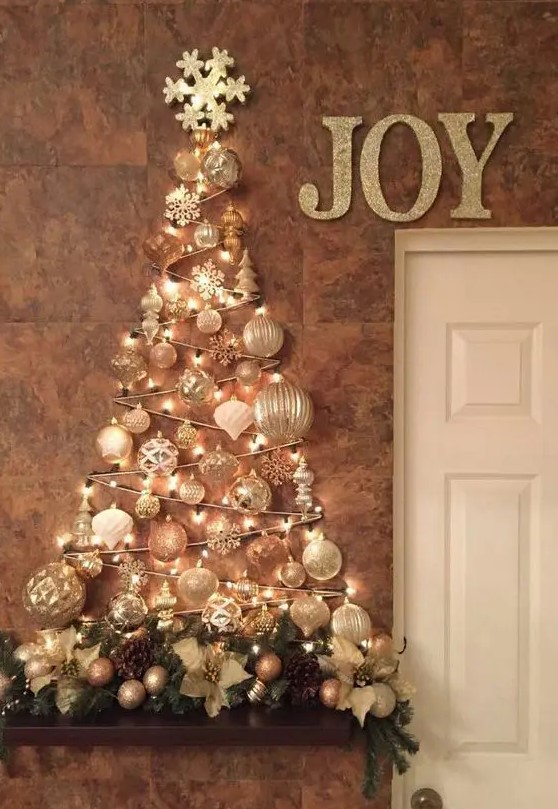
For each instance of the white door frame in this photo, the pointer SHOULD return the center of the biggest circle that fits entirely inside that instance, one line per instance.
(466, 240)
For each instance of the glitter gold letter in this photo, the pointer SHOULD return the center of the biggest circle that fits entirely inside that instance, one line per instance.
(431, 168)
(342, 144)
(471, 166)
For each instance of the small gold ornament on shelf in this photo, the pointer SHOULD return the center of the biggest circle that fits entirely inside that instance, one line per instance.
(322, 558)
(384, 704)
(223, 536)
(292, 573)
(131, 694)
(303, 478)
(186, 435)
(196, 387)
(100, 672)
(268, 667)
(127, 611)
(158, 456)
(187, 165)
(245, 589)
(330, 691)
(54, 595)
(163, 249)
(164, 606)
(128, 367)
(352, 622)
(221, 167)
(283, 411)
(147, 505)
(218, 465)
(225, 347)
(233, 230)
(209, 321)
(178, 309)
(250, 494)
(192, 491)
(89, 565)
(263, 336)
(151, 304)
(136, 420)
(248, 372)
(112, 525)
(246, 278)
(114, 443)
(233, 416)
(222, 614)
(167, 540)
(197, 585)
(155, 680)
(82, 531)
(163, 355)
(277, 467)
(309, 613)
(206, 236)
(257, 692)
(260, 622)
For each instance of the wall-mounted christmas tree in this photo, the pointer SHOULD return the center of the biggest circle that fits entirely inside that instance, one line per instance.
(210, 489)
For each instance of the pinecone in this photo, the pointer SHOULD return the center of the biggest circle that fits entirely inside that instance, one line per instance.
(304, 676)
(133, 658)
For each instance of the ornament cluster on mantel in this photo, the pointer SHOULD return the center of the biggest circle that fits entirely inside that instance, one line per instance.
(207, 467)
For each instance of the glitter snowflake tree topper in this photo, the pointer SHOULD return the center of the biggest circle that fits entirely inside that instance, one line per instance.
(201, 89)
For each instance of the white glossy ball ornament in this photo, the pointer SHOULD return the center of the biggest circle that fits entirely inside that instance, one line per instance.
(197, 585)
(111, 526)
(209, 321)
(233, 417)
(206, 235)
(163, 355)
(114, 443)
(192, 491)
(352, 622)
(262, 336)
(385, 702)
(187, 165)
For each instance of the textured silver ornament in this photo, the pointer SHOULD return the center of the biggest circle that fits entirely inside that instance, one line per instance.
(197, 585)
(283, 411)
(221, 167)
(322, 559)
(196, 387)
(192, 491)
(250, 494)
(262, 336)
(158, 456)
(209, 321)
(352, 622)
(218, 465)
(206, 235)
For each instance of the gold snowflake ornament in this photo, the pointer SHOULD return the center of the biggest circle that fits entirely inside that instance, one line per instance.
(132, 573)
(278, 468)
(225, 347)
(223, 536)
(205, 89)
(182, 206)
(207, 280)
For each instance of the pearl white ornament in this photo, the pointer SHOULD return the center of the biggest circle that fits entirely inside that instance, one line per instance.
(233, 417)
(111, 526)
(114, 443)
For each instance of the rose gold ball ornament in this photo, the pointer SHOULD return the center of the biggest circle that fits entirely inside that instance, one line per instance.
(262, 336)
(155, 680)
(283, 412)
(37, 667)
(250, 494)
(131, 694)
(192, 491)
(322, 559)
(197, 585)
(268, 667)
(352, 622)
(163, 355)
(248, 372)
(54, 595)
(147, 506)
(136, 420)
(195, 387)
(209, 321)
(385, 701)
(114, 443)
(381, 644)
(158, 456)
(167, 540)
(100, 672)
(186, 435)
(218, 465)
(329, 692)
(292, 574)
(186, 165)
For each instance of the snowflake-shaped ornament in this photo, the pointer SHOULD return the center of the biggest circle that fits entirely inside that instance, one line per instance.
(182, 206)
(207, 280)
(202, 88)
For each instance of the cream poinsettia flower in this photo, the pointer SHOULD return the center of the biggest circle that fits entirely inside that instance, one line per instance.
(209, 673)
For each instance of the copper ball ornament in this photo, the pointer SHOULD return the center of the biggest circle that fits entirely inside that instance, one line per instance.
(100, 672)
(163, 355)
(54, 595)
(268, 667)
(114, 443)
(155, 680)
(167, 540)
(131, 694)
(136, 420)
(197, 585)
(329, 692)
(292, 574)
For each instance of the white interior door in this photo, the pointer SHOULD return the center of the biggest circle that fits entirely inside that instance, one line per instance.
(476, 511)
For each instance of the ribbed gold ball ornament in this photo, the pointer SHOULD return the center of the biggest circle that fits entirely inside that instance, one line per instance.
(245, 589)
(292, 574)
(126, 612)
(192, 491)
(322, 559)
(385, 701)
(197, 585)
(131, 694)
(309, 613)
(330, 691)
(54, 595)
(187, 165)
(352, 622)
(262, 336)
(257, 692)
(114, 443)
(283, 412)
(250, 494)
(268, 667)
(248, 371)
(196, 387)
(89, 565)
(37, 667)
(209, 321)
(155, 680)
(185, 435)
(167, 540)
(163, 355)
(136, 420)
(147, 506)
(100, 672)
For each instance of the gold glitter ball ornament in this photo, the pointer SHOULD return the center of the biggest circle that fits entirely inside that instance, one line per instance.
(185, 435)
(163, 355)
(209, 321)
(292, 574)
(322, 559)
(187, 165)
(250, 494)
(192, 491)
(147, 506)
(114, 443)
(330, 691)
(155, 680)
(248, 372)
(196, 387)
(158, 456)
(222, 614)
(167, 540)
(262, 336)
(268, 667)
(131, 694)
(309, 613)
(136, 420)
(221, 167)
(126, 612)
(197, 585)
(385, 702)
(128, 367)
(283, 412)
(218, 464)
(54, 595)
(245, 589)
(352, 622)
(100, 672)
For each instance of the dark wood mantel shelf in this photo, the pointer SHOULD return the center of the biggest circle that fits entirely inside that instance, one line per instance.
(241, 726)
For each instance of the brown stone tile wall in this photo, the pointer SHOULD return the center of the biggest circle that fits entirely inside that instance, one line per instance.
(85, 142)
